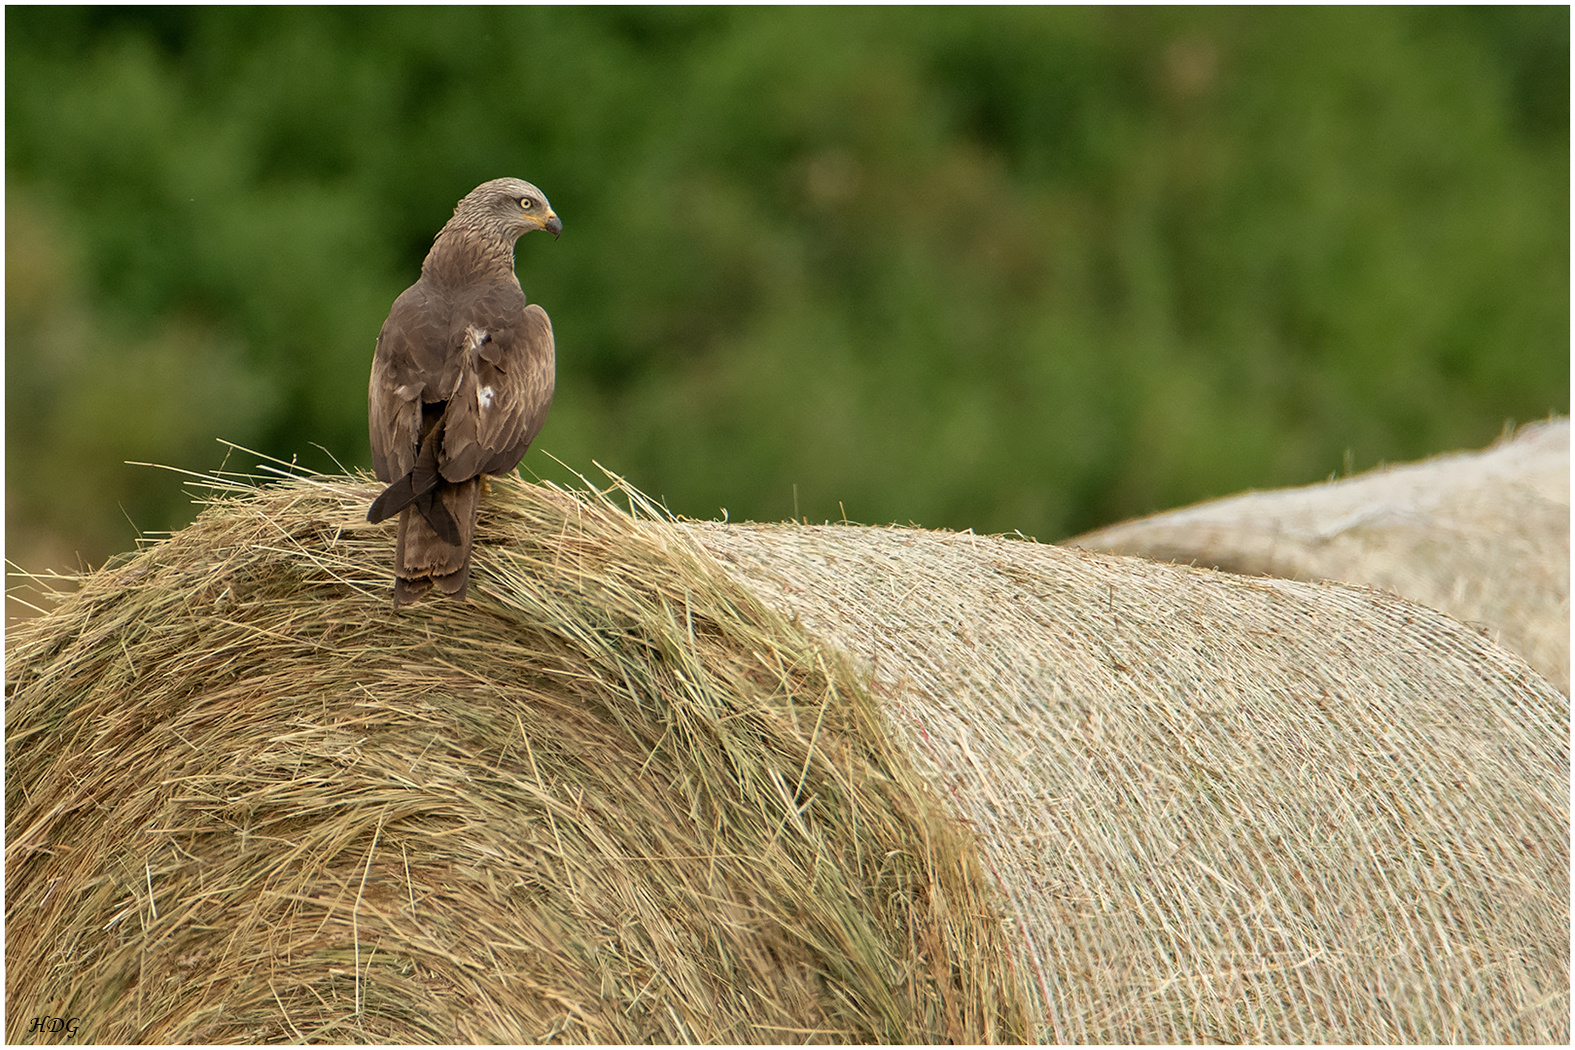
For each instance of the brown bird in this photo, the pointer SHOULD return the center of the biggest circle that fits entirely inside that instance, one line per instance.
(461, 383)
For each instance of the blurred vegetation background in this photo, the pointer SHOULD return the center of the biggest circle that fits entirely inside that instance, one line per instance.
(1030, 269)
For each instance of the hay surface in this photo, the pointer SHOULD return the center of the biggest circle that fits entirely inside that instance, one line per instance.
(1483, 536)
(636, 791)
(615, 799)
(1223, 809)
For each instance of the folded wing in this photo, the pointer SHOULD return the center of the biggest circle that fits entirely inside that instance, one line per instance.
(501, 400)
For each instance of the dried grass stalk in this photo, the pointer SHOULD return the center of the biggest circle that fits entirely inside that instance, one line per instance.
(617, 799)
(1483, 536)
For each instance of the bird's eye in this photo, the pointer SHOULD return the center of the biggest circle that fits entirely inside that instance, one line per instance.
(527, 203)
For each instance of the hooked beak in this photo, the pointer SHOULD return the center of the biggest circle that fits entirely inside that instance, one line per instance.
(553, 225)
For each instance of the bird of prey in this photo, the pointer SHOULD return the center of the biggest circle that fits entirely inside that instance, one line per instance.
(461, 382)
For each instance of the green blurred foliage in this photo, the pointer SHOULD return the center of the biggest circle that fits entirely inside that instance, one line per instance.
(1020, 268)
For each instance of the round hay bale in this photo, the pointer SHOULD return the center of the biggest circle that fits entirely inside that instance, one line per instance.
(638, 791)
(615, 800)
(1223, 809)
(1483, 536)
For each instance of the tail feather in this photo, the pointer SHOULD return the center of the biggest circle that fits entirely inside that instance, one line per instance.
(425, 556)
(439, 517)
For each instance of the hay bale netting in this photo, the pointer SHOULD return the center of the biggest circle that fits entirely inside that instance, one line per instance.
(1483, 536)
(614, 799)
(1222, 809)
(1209, 808)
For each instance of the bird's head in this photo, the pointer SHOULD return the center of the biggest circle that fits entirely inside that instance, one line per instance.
(508, 207)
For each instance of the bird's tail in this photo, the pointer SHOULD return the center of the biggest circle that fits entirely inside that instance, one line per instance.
(424, 556)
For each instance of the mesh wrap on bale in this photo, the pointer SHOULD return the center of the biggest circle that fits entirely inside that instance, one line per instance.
(695, 796)
(1483, 536)
(1223, 809)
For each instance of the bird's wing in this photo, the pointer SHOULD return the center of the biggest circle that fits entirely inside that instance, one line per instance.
(504, 390)
(406, 367)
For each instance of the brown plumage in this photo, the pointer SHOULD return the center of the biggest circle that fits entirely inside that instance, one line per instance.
(461, 383)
